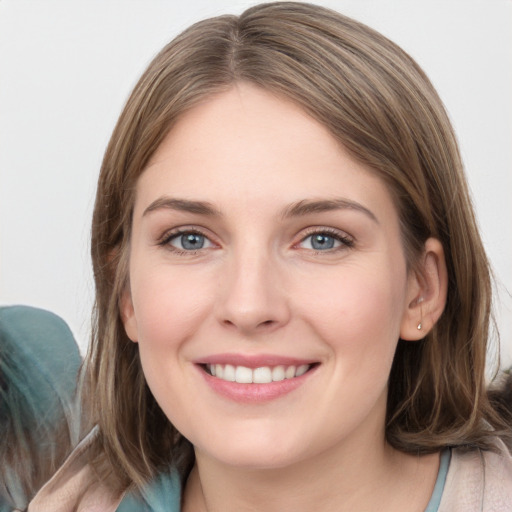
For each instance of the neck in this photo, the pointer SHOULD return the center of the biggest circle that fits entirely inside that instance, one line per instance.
(365, 476)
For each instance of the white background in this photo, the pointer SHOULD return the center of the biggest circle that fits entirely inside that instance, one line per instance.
(66, 68)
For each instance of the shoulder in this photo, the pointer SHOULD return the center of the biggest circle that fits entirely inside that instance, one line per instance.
(498, 480)
(479, 481)
(42, 348)
(76, 487)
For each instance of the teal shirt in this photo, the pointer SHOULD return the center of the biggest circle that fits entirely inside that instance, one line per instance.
(162, 494)
(444, 464)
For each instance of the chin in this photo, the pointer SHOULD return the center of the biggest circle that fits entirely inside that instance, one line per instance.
(255, 453)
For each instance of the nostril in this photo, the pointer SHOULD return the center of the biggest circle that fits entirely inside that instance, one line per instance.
(266, 324)
(250, 326)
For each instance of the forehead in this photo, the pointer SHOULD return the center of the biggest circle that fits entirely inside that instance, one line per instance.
(249, 143)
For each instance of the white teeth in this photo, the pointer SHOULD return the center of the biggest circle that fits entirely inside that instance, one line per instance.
(263, 375)
(278, 373)
(301, 370)
(243, 375)
(229, 373)
(290, 372)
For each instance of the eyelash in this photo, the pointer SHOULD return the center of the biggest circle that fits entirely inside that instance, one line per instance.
(346, 241)
(165, 241)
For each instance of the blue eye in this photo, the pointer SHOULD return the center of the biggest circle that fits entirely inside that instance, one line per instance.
(321, 241)
(189, 241)
(324, 241)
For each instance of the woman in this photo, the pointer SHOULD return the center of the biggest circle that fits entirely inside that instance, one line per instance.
(292, 297)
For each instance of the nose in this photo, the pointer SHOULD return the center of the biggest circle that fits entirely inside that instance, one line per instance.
(252, 296)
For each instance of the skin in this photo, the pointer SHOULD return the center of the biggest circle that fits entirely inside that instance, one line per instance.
(257, 286)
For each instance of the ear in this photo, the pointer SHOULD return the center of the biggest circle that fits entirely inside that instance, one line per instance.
(128, 315)
(426, 293)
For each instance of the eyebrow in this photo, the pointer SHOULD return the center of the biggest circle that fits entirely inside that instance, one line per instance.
(306, 207)
(299, 209)
(184, 205)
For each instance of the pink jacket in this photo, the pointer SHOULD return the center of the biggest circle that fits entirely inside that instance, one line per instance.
(478, 481)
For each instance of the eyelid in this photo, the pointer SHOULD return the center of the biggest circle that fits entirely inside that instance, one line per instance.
(346, 240)
(167, 236)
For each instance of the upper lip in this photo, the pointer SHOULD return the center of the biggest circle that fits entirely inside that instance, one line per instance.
(253, 360)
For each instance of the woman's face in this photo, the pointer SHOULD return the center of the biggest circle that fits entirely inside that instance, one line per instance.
(262, 251)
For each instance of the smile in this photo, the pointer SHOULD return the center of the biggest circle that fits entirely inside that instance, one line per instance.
(255, 380)
(262, 375)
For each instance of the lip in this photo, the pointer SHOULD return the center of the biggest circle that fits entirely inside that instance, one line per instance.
(253, 360)
(254, 393)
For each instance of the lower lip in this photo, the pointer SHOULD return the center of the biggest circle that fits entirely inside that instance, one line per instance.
(254, 393)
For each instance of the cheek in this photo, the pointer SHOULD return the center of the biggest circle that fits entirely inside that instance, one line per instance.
(169, 305)
(358, 308)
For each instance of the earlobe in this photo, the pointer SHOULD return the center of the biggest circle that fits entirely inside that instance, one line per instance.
(427, 290)
(420, 323)
(128, 315)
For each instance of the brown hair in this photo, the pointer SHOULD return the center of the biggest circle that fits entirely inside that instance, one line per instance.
(380, 105)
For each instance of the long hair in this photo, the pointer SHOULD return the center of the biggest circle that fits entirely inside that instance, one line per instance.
(379, 104)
